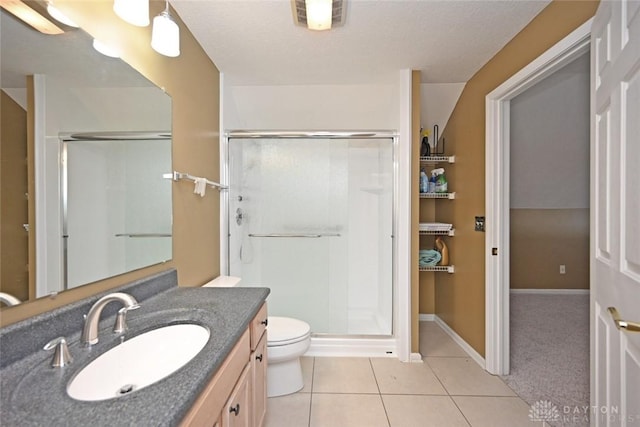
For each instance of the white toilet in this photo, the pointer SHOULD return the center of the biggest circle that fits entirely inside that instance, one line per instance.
(287, 340)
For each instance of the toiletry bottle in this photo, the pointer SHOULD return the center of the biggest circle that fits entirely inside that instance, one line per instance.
(424, 181)
(432, 183)
(444, 251)
(441, 181)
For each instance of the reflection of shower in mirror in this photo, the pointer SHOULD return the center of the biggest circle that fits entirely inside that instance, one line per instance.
(116, 204)
(76, 89)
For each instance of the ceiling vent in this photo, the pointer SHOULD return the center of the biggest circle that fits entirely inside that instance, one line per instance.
(338, 12)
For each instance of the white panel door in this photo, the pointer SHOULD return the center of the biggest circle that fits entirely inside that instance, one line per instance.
(615, 214)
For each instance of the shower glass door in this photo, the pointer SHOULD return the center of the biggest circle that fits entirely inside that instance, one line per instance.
(312, 220)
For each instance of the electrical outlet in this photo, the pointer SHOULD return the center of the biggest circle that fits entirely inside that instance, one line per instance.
(563, 269)
(479, 223)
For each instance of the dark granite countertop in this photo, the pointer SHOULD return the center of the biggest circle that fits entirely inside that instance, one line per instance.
(34, 394)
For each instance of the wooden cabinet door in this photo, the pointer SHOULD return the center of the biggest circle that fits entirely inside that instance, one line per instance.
(259, 382)
(238, 411)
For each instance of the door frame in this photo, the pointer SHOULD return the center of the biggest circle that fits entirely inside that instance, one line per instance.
(497, 203)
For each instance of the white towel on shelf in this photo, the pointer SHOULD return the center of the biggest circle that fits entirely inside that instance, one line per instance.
(200, 186)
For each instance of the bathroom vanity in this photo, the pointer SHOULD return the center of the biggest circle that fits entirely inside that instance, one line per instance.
(237, 394)
(222, 385)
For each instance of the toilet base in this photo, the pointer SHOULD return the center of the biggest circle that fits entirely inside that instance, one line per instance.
(284, 377)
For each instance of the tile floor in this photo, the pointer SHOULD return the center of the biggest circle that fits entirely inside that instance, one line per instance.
(448, 389)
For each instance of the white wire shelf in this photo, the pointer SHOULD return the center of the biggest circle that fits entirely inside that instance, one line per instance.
(451, 232)
(437, 159)
(449, 196)
(441, 268)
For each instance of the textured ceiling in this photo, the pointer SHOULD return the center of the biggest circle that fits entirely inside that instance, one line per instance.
(255, 42)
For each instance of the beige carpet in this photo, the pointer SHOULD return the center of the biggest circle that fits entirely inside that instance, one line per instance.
(550, 353)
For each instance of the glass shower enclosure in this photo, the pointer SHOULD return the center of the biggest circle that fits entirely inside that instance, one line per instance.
(311, 217)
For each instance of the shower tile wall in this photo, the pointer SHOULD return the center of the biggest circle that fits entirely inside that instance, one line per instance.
(340, 285)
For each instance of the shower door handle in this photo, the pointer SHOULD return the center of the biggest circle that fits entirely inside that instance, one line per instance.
(306, 236)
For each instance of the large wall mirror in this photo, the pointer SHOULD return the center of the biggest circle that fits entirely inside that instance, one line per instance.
(98, 153)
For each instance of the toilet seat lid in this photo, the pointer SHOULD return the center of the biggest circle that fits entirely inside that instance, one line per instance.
(283, 329)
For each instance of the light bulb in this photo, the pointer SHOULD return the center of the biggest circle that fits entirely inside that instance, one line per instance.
(319, 14)
(165, 35)
(55, 13)
(105, 49)
(135, 12)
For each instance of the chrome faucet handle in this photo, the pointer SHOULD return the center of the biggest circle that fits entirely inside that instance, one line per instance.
(61, 355)
(121, 319)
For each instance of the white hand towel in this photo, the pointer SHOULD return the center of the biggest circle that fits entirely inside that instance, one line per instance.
(200, 186)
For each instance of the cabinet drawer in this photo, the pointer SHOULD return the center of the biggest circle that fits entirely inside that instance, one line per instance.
(258, 326)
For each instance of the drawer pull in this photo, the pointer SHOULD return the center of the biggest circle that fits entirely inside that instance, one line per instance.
(235, 409)
(259, 357)
(265, 322)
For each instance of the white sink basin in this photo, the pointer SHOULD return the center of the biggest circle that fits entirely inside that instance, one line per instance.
(138, 362)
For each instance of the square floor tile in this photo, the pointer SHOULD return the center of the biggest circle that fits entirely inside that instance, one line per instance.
(423, 411)
(291, 410)
(435, 342)
(463, 376)
(396, 377)
(495, 411)
(343, 375)
(347, 410)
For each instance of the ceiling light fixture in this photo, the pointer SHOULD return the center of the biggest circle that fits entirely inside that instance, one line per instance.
(165, 35)
(105, 49)
(55, 13)
(30, 16)
(135, 12)
(318, 15)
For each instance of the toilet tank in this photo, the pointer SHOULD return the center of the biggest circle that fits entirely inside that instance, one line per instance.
(223, 282)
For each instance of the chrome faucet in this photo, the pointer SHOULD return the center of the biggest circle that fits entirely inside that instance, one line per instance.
(90, 330)
(9, 299)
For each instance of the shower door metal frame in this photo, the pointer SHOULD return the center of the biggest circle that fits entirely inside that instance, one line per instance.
(225, 215)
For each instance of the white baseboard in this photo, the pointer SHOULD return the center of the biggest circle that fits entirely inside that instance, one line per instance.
(352, 347)
(415, 358)
(551, 291)
(462, 343)
(426, 317)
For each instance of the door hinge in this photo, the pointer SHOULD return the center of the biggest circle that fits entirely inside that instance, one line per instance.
(494, 251)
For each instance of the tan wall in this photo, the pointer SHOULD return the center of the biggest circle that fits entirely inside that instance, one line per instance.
(192, 80)
(460, 297)
(14, 278)
(541, 240)
(427, 279)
